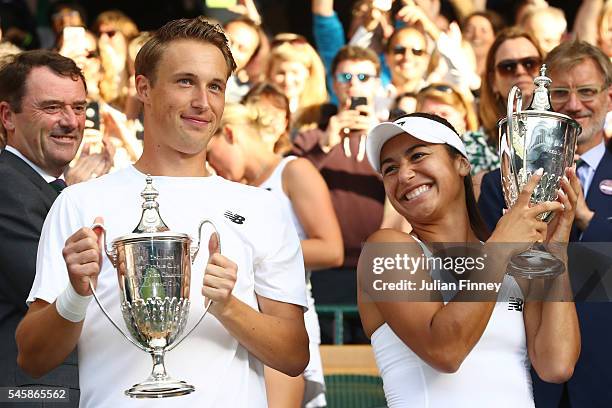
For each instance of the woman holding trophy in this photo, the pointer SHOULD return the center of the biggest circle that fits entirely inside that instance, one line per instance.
(451, 351)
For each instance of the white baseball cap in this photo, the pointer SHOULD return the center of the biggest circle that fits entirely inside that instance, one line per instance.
(420, 127)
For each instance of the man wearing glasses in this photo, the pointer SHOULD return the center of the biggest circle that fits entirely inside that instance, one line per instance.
(337, 148)
(581, 76)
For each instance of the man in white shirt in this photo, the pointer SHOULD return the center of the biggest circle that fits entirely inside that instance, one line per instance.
(42, 110)
(256, 284)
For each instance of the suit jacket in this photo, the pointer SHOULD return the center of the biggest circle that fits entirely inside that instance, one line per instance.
(25, 200)
(591, 384)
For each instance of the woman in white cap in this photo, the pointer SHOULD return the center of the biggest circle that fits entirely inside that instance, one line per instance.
(449, 352)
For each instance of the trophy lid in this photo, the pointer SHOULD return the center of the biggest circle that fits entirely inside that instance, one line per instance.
(541, 96)
(150, 221)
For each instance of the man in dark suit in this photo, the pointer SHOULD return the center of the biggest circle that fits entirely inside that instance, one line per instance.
(42, 110)
(581, 77)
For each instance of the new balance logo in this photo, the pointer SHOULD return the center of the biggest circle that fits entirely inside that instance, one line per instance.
(515, 303)
(238, 219)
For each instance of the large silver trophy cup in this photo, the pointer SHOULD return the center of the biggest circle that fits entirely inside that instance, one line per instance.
(154, 271)
(529, 140)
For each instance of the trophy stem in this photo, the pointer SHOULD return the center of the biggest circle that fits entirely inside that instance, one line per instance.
(159, 384)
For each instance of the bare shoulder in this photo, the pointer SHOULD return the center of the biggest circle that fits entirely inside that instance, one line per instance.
(391, 235)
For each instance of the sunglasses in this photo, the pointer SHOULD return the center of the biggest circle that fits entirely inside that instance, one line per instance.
(438, 87)
(346, 77)
(401, 50)
(509, 67)
(586, 93)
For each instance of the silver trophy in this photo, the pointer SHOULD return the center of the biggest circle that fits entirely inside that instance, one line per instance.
(529, 140)
(154, 271)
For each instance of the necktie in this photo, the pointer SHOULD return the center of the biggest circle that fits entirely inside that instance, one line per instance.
(582, 169)
(58, 185)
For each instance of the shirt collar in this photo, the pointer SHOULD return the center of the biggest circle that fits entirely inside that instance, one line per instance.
(593, 156)
(48, 178)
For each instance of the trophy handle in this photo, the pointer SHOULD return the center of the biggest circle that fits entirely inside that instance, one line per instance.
(515, 94)
(193, 257)
(111, 258)
(109, 254)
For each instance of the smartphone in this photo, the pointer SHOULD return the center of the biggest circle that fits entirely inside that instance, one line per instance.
(358, 101)
(384, 5)
(220, 3)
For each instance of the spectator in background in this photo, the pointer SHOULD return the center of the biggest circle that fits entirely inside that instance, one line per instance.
(547, 25)
(408, 59)
(246, 39)
(514, 59)
(42, 109)
(296, 68)
(268, 99)
(115, 30)
(66, 14)
(479, 29)
(337, 148)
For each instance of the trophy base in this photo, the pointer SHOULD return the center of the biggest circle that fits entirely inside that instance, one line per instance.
(160, 389)
(535, 264)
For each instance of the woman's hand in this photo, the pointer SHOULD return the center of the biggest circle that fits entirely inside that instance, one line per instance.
(561, 225)
(520, 224)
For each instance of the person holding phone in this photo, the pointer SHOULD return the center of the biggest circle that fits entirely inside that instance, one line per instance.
(337, 148)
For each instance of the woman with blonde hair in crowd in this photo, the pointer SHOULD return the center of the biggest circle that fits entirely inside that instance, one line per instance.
(239, 152)
(296, 68)
(266, 97)
(115, 30)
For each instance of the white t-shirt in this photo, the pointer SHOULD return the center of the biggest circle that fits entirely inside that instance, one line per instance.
(255, 234)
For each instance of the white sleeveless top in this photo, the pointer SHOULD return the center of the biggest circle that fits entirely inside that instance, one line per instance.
(274, 183)
(494, 374)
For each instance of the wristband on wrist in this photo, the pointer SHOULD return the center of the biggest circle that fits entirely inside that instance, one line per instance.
(72, 306)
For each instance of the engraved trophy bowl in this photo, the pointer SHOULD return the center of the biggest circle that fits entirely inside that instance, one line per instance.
(529, 140)
(153, 267)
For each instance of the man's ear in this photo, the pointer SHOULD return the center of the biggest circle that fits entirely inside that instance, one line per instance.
(143, 88)
(228, 133)
(7, 116)
(609, 95)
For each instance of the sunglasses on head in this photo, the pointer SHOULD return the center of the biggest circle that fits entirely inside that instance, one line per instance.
(438, 87)
(401, 50)
(509, 67)
(346, 77)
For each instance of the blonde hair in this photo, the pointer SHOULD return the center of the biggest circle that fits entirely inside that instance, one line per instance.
(250, 116)
(315, 92)
(448, 95)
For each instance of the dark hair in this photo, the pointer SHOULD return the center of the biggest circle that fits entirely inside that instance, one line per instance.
(196, 29)
(354, 53)
(476, 222)
(278, 99)
(14, 73)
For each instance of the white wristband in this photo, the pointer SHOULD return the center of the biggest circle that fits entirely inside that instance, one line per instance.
(72, 306)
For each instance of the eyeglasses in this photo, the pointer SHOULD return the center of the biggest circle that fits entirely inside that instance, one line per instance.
(401, 50)
(346, 77)
(509, 67)
(585, 93)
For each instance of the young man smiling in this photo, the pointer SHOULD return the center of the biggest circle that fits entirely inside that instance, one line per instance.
(256, 285)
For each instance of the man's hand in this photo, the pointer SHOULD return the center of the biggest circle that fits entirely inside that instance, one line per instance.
(219, 278)
(91, 165)
(83, 256)
(342, 124)
(584, 215)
